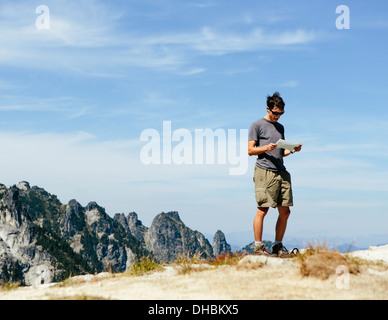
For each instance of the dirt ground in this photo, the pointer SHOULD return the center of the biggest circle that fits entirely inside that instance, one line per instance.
(250, 279)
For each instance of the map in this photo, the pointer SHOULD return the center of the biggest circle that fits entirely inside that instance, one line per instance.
(287, 145)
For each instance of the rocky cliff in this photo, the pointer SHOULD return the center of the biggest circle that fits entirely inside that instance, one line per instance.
(220, 246)
(29, 253)
(43, 240)
(168, 237)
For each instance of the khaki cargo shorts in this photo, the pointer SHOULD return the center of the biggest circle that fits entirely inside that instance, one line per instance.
(272, 189)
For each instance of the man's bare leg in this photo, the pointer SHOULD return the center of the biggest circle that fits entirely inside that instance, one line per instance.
(281, 224)
(258, 223)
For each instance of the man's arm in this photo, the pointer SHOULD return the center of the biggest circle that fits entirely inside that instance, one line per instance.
(255, 151)
(288, 152)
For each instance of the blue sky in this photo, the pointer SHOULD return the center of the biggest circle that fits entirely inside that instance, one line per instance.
(75, 98)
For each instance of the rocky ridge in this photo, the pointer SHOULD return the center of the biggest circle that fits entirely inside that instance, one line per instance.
(43, 240)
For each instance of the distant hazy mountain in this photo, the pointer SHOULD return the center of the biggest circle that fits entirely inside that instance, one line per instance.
(238, 240)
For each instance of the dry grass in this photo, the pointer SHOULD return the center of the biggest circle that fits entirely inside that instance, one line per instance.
(195, 263)
(227, 259)
(9, 286)
(144, 266)
(321, 263)
(187, 264)
(250, 265)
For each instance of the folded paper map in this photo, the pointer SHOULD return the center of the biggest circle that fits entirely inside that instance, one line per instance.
(287, 145)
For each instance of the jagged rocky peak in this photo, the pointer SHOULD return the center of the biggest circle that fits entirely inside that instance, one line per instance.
(168, 237)
(12, 213)
(74, 206)
(74, 219)
(220, 246)
(98, 220)
(23, 185)
(77, 217)
(126, 221)
(21, 249)
(120, 217)
(3, 189)
(94, 213)
(133, 218)
(173, 214)
(92, 205)
(132, 224)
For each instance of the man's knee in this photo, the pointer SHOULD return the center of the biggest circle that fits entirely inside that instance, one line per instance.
(262, 211)
(284, 212)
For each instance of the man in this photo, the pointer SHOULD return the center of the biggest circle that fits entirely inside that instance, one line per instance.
(272, 181)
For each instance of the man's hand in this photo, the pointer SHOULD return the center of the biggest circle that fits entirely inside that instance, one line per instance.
(271, 146)
(297, 149)
(255, 151)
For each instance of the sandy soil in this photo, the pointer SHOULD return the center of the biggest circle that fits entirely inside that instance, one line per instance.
(252, 278)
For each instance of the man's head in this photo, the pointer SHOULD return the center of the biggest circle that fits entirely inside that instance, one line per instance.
(275, 107)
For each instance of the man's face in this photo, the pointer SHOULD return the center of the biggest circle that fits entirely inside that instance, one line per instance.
(274, 114)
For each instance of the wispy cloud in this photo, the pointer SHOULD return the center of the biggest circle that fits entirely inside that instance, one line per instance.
(209, 41)
(192, 71)
(90, 33)
(202, 5)
(68, 106)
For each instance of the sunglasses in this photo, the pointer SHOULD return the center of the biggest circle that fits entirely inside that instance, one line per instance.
(277, 113)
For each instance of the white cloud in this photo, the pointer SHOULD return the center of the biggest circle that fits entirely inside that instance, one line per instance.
(68, 106)
(202, 5)
(192, 71)
(213, 42)
(85, 37)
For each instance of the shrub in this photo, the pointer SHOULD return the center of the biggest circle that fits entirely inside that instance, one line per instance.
(227, 259)
(321, 263)
(144, 265)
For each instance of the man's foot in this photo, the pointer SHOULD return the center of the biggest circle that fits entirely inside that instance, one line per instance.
(261, 250)
(280, 251)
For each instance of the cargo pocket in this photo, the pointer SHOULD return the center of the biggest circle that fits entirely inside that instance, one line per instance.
(261, 196)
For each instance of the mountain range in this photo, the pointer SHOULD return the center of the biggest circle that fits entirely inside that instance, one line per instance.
(43, 240)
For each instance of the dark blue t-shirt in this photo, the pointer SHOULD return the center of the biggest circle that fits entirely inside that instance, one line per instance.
(265, 132)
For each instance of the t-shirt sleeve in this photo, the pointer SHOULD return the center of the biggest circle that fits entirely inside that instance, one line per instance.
(254, 132)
